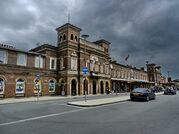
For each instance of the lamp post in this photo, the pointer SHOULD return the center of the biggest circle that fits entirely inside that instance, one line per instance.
(85, 36)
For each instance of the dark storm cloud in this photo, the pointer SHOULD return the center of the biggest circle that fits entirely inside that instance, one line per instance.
(144, 29)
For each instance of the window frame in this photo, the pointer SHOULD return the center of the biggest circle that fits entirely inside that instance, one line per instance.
(40, 61)
(23, 91)
(3, 84)
(54, 82)
(55, 63)
(5, 59)
(18, 55)
(74, 64)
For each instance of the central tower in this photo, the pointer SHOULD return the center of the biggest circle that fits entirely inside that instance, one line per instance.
(68, 55)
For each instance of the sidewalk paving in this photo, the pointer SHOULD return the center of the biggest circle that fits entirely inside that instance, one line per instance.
(94, 102)
(99, 102)
(105, 101)
(28, 99)
(41, 98)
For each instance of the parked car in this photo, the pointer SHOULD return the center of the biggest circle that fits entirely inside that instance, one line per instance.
(170, 91)
(142, 94)
(157, 89)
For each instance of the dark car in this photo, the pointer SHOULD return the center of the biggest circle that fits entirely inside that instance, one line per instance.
(142, 94)
(170, 91)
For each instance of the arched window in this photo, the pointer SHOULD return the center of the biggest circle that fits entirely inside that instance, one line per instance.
(51, 86)
(1, 86)
(76, 39)
(20, 86)
(71, 36)
(64, 37)
(60, 38)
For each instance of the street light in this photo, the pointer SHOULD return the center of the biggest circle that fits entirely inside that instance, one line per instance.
(85, 36)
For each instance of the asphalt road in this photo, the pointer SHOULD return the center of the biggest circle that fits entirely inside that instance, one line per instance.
(160, 116)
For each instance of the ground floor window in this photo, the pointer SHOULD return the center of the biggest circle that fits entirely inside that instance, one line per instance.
(51, 86)
(1, 86)
(20, 86)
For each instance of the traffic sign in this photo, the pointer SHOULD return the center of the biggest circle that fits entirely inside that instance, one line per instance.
(84, 69)
(37, 76)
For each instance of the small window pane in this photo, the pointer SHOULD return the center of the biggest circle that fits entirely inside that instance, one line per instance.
(2, 57)
(39, 61)
(21, 59)
(53, 63)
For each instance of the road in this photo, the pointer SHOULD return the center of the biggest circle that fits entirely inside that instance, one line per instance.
(160, 116)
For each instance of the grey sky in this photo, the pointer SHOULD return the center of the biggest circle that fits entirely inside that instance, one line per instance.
(144, 29)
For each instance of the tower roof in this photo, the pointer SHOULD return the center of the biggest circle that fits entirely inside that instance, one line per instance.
(68, 25)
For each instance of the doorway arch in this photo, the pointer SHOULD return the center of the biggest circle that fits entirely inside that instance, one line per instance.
(62, 88)
(101, 87)
(94, 87)
(107, 86)
(73, 87)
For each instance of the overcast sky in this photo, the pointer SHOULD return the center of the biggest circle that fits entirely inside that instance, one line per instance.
(147, 30)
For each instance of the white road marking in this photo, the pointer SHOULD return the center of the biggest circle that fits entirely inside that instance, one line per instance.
(39, 117)
(57, 114)
(71, 106)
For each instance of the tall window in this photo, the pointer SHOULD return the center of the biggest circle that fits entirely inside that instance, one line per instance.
(21, 59)
(76, 38)
(73, 63)
(64, 37)
(71, 36)
(53, 63)
(39, 62)
(62, 63)
(101, 69)
(107, 69)
(1, 86)
(60, 38)
(51, 85)
(3, 57)
(20, 86)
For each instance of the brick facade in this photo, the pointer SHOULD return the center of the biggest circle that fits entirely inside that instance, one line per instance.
(70, 56)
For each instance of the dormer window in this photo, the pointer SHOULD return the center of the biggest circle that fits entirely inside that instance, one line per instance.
(71, 36)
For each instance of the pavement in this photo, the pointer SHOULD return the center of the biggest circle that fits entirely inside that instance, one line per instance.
(89, 103)
(105, 101)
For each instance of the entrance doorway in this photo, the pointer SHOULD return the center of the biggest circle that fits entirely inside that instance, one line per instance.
(73, 87)
(94, 87)
(101, 87)
(62, 88)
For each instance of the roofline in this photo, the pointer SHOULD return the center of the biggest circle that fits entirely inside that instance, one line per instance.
(43, 45)
(102, 40)
(127, 66)
(68, 24)
(22, 51)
